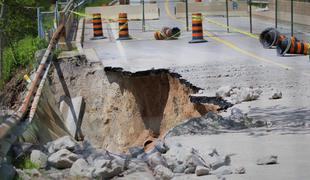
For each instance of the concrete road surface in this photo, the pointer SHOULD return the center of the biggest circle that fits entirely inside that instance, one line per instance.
(292, 152)
(226, 59)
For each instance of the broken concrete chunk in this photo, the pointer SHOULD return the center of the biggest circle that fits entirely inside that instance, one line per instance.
(73, 112)
(65, 142)
(38, 158)
(156, 159)
(201, 171)
(190, 170)
(223, 91)
(80, 168)
(239, 95)
(161, 146)
(221, 161)
(163, 173)
(108, 172)
(240, 170)
(267, 160)
(182, 159)
(62, 159)
(276, 95)
(224, 170)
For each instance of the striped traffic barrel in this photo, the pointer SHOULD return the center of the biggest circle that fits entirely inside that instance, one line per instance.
(97, 26)
(167, 33)
(159, 36)
(197, 30)
(292, 46)
(123, 33)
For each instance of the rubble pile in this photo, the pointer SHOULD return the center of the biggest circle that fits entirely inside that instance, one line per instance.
(213, 123)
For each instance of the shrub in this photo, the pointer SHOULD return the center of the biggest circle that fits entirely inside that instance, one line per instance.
(20, 55)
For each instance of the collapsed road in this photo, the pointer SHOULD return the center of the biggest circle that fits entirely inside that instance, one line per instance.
(147, 109)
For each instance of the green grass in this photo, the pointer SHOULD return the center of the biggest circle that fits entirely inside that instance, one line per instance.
(27, 164)
(20, 55)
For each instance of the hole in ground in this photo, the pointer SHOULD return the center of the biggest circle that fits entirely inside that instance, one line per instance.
(152, 102)
(125, 109)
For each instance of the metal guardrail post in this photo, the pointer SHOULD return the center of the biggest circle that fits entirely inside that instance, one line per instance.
(292, 18)
(276, 14)
(186, 11)
(56, 15)
(143, 17)
(39, 22)
(227, 16)
(250, 4)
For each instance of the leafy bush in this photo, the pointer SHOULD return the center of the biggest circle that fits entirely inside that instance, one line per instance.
(20, 55)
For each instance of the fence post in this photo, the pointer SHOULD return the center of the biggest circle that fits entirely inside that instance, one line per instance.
(276, 14)
(186, 9)
(227, 16)
(1, 40)
(56, 16)
(38, 19)
(250, 4)
(143, 17)
(292, 18)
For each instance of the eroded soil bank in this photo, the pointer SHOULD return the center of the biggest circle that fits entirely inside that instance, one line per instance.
(124, 109)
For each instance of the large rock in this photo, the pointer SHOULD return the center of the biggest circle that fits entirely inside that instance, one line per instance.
(156, 159)
(62, 159)
(267, 160)
(180, 159)
(65, 142)
(38, 158)
(161, 147)
(100, 163)
(80, 168)
(162, 173)
(241, 94)
(240, 170)
(224, 170)
(201, 171)
(108, 171)
(223, 91)
(23, 175)
(221, 161)
(276, 95)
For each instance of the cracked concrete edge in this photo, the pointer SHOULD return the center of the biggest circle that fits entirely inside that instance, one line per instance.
(153, 72)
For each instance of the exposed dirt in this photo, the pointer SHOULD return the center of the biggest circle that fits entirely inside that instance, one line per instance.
(124, 109)
(11, 94)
